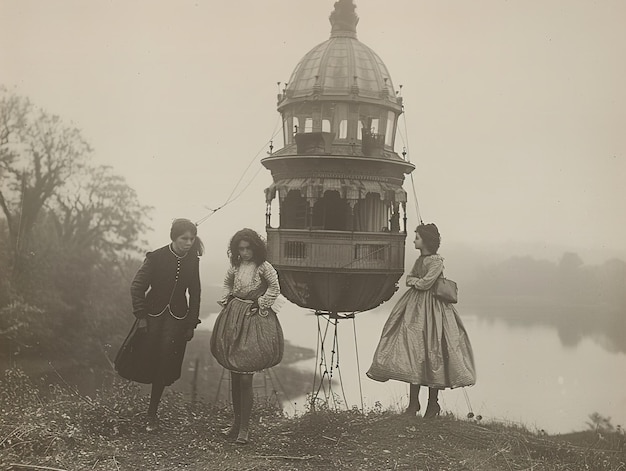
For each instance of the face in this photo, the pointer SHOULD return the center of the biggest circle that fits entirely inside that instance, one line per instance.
(245, 251)
(419, 242)
(183, 242)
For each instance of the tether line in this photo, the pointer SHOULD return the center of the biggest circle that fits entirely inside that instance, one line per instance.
(230, 198)
(358, 365)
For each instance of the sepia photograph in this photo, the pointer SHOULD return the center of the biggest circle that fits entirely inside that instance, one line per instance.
(312, 235)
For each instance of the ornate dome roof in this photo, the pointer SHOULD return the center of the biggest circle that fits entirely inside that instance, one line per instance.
(342, 65)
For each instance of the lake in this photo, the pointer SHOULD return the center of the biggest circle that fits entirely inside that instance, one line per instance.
(529, 373)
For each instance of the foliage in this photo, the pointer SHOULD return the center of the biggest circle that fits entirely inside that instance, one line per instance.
(18, 321)
(600, 423)
(96, 209)
(569, 281)
(72, 432)
(579, 299)
(70, 236)
(38, 153)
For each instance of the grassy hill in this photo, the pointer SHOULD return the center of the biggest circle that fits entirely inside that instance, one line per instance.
(68, 431)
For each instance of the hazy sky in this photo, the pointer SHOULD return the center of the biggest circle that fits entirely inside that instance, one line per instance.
(515, 116)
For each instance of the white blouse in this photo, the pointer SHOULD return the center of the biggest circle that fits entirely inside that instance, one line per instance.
(247, 277)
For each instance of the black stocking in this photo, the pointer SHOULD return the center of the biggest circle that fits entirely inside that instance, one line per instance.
(155, 398)
(414, 401)
(235, 394)
(433, 395)
(246, 406)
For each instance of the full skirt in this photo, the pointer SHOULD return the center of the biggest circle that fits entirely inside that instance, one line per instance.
(424, 342)
(244, 342)
(155, 356)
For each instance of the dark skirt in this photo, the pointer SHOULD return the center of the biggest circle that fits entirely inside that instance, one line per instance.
(155, 356)
(244, 342)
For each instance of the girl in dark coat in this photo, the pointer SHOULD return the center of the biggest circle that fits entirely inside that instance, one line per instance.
(165, 316)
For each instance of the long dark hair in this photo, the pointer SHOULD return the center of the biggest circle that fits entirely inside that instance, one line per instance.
(180, 226)
(430, 235)
(257, 244)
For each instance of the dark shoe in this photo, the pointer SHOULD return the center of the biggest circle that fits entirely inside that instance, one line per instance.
(153, 424)
(242, 438)
(230, 432)
(432, 410)
(411, 411)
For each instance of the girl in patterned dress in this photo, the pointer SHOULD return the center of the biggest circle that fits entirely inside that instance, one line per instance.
(424, 342)
(247, 336)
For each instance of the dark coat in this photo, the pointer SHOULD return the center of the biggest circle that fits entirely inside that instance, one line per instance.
(165, 279)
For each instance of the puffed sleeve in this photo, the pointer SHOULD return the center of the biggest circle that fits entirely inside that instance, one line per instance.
(267, 300)
(139, 286)
(229, 283)
(193, 316)
(434, 267)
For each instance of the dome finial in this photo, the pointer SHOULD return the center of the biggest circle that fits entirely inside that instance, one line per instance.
(344, 19)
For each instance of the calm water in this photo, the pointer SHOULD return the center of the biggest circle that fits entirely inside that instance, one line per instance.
(526, 375)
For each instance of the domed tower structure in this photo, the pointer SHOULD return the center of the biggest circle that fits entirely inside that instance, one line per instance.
(339, 245)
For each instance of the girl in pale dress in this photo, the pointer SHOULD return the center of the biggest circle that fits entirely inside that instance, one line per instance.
(424, 342)
(247, 336)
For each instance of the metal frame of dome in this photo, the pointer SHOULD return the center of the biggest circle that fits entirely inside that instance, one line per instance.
(341, 66)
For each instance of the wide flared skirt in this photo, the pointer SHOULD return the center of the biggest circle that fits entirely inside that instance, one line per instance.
(244, 342)
(155, 356)
(424, 342)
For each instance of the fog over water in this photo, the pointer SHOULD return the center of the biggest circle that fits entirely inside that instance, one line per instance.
(514, 115)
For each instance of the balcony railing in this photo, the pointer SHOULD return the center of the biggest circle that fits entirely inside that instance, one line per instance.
(345, 251)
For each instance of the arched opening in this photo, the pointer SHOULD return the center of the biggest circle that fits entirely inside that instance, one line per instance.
(370, 214)
(331, 213)
(293, 211)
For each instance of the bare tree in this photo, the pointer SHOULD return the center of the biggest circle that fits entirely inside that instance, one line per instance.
(38, 153)
(98, 210)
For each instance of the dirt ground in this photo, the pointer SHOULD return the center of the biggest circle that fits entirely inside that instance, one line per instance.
(107, 433)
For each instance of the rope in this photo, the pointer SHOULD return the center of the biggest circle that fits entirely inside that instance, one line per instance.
(406, 147)
(230, 198)
(327, 373)
(280, 385)
(358, 364)
(417, 205)
(322, 362)
(320, 350)
(336, 346)
(467, 401)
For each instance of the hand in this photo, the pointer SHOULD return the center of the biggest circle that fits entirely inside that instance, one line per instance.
(189, 334)
(255, 308)
(142, 326)
(224, 302)
(411, 281)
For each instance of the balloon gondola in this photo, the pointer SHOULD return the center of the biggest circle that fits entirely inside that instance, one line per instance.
(339, 243)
